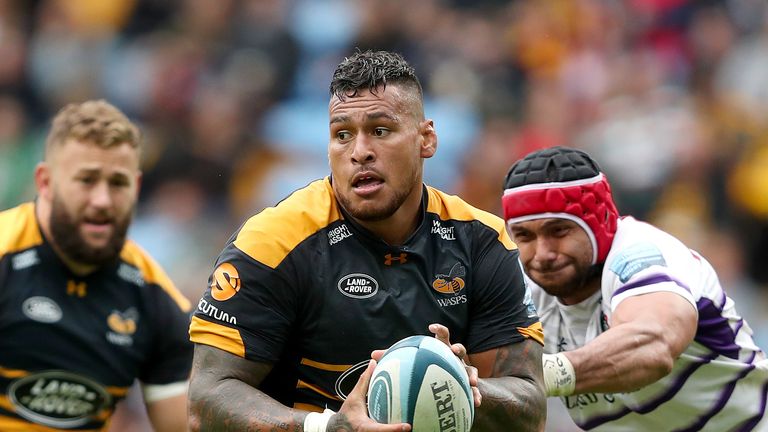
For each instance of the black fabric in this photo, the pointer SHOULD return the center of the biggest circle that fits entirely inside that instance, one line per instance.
(555, 164)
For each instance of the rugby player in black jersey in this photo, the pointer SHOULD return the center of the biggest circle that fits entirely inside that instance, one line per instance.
(306, 291)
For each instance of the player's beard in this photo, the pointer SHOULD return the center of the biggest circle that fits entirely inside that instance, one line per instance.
(66, 234)
(574, 285)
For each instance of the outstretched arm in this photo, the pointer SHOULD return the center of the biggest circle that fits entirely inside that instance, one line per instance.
(223, 397)
(648, 332)
(510, 382)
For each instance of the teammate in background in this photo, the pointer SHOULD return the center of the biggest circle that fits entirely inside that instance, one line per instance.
(306, 290)
(83, 311)
(639, 334)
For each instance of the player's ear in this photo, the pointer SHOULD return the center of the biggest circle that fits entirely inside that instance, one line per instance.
(428, 138)
(43, 181)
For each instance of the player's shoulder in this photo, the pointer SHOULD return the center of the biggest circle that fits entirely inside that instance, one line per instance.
(452, 207)
(273, 233)
(19, 229)
(635, 235)
(150, 272)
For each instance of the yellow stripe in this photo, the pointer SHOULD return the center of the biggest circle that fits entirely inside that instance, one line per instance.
(271, 235)
(308, 407)
(216, 335)
(533, 331)
(118, 391)
(6, 404)
(13, 373)
(8, 424)
(325, 366)
(452, 207)
(18, 373)
(134, 255)
(316, 389)
(19, 229)
(11, 424)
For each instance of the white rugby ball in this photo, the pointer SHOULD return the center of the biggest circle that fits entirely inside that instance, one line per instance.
(420, 381)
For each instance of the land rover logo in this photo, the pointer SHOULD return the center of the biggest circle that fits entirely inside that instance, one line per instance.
(358, 285)
(58, 399)
(41, 309)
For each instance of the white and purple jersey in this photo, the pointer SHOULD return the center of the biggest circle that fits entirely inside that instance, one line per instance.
(719, 383)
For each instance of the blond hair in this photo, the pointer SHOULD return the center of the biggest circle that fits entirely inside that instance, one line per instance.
(95, 121)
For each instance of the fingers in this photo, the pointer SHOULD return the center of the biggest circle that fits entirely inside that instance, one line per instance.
(377, 354)
(477, 396)
(361, 388)
(441, 333)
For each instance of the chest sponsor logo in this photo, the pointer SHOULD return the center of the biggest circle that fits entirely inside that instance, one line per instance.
(41, 309)
(338, 234)
(636, 258)
(122, 326)
(58, 399)
(451, 284)
(445, 233)
(25, 259)
(358, 285)
(212, 311)
(225, 283)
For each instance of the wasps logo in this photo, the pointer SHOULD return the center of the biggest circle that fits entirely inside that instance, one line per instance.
(451, 283)
(225, 283)
(123, 323)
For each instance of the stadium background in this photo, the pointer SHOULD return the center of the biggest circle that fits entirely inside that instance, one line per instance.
(670, 96)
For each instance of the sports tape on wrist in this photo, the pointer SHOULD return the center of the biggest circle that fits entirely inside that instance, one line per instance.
(317, 422)
(559, 376)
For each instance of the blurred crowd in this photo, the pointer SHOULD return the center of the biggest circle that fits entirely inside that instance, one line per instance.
(670, 96)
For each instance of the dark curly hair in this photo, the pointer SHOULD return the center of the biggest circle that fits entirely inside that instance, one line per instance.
(367, 70)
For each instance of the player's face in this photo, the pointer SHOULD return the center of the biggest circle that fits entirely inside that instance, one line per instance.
(557, 254)
(376, 151)
(93, 191)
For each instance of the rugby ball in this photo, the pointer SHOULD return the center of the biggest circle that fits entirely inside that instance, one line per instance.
(420, 381)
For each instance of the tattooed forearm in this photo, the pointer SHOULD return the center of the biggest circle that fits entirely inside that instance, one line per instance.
(223, 396)
(513, 397)
(233, 406)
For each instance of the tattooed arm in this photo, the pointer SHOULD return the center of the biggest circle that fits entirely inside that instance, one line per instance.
(511, 384)
(223, 396)
(512, 388)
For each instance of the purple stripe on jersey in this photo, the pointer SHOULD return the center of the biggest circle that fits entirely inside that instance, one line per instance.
(751, 423)
(650, 281)
(714, 331)
(651, 405)
(724, 396)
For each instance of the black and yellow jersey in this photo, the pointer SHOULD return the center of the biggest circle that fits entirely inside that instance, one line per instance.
(303, 287)
(72, 346)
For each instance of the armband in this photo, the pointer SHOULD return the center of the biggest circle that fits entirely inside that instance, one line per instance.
(317, 422)
(559, 376)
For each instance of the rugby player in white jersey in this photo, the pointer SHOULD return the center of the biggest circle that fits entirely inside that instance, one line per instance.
(639, 334)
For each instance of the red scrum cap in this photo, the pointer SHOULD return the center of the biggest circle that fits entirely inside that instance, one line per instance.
(566, 183)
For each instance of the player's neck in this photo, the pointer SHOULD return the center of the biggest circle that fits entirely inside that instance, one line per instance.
(585, 291)
(398, 228)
